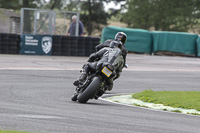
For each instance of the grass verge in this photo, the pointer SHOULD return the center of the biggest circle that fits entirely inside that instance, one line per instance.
(3, 131)
(176, 99)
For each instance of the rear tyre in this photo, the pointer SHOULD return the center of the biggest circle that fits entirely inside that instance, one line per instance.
(90, 91)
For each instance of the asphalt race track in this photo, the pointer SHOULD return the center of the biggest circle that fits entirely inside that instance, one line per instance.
(35, 95)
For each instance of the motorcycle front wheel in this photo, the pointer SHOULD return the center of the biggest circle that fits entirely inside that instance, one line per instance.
(74, 97)
(90, 91)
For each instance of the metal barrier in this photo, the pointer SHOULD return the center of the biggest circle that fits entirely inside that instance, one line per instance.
(37, 21)
(38, 26)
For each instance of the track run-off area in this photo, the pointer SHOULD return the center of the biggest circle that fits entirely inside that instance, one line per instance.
(35, 94)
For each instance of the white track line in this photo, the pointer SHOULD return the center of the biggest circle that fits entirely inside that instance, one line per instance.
(38, 116)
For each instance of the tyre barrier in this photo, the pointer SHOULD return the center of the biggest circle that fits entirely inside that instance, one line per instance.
(88, 46)
(62, 45)
(56, 47)
(9, 43)
(95, 42)
(81, 46)
(73, 45)
(65, 46)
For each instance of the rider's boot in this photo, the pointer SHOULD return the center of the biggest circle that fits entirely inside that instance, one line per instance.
(81, 79)
(99, 94)
(109, 87)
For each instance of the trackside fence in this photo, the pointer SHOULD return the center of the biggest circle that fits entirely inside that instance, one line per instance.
(61, 45)
(139, 41)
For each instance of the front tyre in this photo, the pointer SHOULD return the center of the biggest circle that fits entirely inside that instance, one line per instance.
(90, 91)
(74, 97)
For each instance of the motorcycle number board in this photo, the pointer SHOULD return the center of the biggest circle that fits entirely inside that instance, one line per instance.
(106, 71)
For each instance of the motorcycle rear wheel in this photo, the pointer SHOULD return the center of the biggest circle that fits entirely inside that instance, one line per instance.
(90, 91)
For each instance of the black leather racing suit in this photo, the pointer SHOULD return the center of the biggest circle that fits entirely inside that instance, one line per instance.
(106, 55)
(113, 43)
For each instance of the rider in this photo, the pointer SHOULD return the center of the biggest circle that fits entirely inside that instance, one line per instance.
(111, 53)
(120, 37)
(106, 55)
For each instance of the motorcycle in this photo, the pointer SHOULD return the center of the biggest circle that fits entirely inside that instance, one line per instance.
(94, 85)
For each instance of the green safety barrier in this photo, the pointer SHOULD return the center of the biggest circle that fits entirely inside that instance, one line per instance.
(138, 40)
(198, 46)
(179, 42)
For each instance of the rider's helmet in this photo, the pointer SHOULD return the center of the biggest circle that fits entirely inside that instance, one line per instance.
(121, 36)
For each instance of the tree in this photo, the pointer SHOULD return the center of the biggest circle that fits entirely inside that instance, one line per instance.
(9, 5)
(176, 15)
(93, 15)
(18, 4)
(92, 12)
(138, 14)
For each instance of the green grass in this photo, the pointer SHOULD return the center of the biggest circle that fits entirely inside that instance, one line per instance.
(178, 111)
(3, 131)
(177, 99)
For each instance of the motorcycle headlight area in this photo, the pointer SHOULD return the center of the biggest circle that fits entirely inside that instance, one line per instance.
(106, 71)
